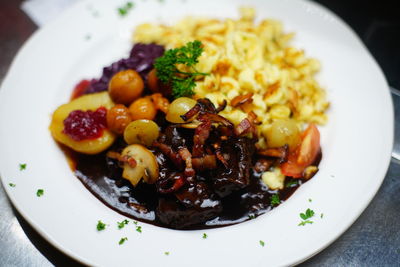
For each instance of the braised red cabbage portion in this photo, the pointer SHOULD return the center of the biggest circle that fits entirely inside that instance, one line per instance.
(141, 59)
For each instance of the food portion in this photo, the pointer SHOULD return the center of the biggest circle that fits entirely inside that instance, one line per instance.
(207, 123)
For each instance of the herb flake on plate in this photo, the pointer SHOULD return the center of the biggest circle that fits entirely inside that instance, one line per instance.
(100, 226)
(122, 240)
(39, 192)
(122, 224)
(123, 11)
(22, 166)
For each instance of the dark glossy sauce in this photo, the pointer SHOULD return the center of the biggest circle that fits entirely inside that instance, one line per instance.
(102, 177)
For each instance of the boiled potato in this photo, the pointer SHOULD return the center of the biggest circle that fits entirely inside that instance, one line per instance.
(84, 103)
(283, 132)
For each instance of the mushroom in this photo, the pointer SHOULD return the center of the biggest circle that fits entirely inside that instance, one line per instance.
(146, 165)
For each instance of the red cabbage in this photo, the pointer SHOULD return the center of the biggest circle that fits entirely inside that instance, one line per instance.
(141, 59)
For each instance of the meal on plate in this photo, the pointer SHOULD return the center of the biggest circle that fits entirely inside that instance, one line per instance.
(207, 123)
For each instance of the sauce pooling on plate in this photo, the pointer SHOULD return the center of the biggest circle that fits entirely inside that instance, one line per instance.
(102, 177)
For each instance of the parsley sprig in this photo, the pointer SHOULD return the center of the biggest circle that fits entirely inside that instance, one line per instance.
(306, 216)
(182, 82)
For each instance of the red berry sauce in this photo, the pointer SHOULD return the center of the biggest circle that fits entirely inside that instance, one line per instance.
(81, 125)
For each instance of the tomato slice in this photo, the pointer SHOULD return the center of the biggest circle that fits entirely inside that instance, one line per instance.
(80, 89)
(304, 155)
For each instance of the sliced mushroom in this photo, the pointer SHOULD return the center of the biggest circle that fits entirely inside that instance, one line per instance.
(146, 165)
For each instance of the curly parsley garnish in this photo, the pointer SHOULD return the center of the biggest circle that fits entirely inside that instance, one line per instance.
(306, 216)
(122, 240)
(182, 82)
(22, 166)
(275, 201)
(39, 192)
(122, 224)
(100, 226)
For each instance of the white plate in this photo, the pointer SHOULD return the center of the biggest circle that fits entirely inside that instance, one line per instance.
(356, 142)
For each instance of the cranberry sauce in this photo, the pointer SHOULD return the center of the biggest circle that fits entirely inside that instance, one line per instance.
(81, 125)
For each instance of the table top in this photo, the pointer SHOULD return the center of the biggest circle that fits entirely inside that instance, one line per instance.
(373, 240)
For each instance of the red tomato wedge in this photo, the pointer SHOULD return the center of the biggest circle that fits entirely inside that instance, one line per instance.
(80, 89)
(304, 155)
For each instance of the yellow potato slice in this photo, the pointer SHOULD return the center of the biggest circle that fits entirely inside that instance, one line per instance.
(86, 102)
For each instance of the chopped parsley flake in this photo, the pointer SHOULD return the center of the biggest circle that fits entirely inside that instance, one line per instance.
(139, 229)
(122, 240)
(122, 224)
(101, 226)
(12, 185)
(123, 11)
(135, 222)
(275, 201)
(40, 192)
(166, 253)
(251, 216)
(22, 166)
(309, 200)
(262, 243)
(291, 183)
(204, 235)
(305, 222)
(322, 215)
(305, 216)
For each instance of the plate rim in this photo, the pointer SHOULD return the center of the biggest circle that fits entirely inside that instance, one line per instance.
(65, 250)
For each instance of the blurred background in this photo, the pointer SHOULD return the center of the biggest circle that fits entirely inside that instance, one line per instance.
(373, 240)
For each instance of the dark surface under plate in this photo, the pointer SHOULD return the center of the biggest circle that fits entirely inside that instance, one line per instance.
(373, 240)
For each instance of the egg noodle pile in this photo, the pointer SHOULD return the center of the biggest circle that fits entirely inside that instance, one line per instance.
(244, 57)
